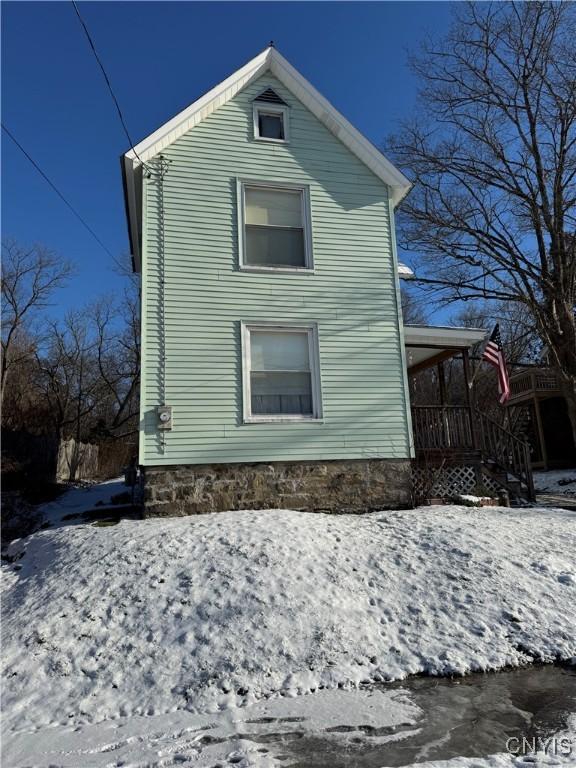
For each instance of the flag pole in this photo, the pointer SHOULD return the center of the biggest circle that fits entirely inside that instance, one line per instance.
(476, 369)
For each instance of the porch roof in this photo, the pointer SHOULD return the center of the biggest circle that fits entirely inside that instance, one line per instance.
(427, 345)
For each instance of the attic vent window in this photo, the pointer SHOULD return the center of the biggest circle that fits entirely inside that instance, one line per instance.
(270, 118)
(271, 97)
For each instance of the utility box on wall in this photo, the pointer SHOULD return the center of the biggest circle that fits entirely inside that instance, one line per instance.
(164, 417)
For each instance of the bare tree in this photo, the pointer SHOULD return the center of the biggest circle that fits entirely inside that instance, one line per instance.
(29, 278)
(412, 310)
(117, 329)
(493, 157)
(70, 382)
(520, 340)
(23, 407)
(521, 347)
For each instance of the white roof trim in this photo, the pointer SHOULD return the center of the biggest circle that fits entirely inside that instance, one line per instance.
(198, 110)
(271, 60)
(442, 336)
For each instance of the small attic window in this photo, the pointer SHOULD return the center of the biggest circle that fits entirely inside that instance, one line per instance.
(270, 117)
(270, 97)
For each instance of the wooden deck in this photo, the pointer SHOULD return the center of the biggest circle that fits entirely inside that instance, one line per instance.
(537, 410)
(533, 383)
(460, 434)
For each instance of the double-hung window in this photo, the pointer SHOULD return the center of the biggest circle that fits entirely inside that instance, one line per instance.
(281, 373)
(275, 226)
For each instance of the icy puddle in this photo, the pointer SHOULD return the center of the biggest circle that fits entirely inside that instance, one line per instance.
(466, 717)
(416, 721)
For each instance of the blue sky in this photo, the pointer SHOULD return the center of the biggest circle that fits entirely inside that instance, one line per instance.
(160, 57)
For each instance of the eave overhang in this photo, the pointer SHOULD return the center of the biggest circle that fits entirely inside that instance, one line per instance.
(427, 345)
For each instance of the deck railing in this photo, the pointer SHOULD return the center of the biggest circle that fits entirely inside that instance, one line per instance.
(455, 428)
(442, 427)
(533, 381)
(508, 452)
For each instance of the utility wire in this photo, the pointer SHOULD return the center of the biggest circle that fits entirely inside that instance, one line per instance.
(55, 188)
(108, 83)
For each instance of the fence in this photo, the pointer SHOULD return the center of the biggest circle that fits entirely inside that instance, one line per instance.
(76, 461)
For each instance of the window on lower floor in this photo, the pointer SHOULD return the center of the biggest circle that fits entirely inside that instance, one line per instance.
(281, 377)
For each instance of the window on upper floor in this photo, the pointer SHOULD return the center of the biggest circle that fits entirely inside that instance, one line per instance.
(271, 123)
(274, 226)
(271, 117)
(281, 373)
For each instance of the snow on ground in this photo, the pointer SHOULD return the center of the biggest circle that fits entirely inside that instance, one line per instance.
(216, 611)
(561, 481)
(81, 498)
(261, 736)
(238, 736)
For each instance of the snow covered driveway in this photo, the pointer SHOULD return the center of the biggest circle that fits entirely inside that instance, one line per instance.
(212, 612)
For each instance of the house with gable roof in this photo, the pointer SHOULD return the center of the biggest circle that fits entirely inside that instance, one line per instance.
(275, 363)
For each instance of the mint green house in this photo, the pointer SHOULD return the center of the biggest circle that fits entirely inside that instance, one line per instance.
(274, 359)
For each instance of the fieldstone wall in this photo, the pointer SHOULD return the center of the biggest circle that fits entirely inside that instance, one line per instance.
(314, 486)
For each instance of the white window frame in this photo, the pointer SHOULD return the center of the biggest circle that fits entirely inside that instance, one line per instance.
(271, 109)
(304, 190)
(311, 329)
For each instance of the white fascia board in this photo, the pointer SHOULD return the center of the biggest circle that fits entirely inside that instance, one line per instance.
(199, 110)
(271, 60)
(443, 336)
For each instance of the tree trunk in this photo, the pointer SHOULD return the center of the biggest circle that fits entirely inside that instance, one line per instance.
(560, 338)
(568, 389)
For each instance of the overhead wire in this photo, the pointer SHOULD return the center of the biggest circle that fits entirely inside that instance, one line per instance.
(108, 83)
(55, 188)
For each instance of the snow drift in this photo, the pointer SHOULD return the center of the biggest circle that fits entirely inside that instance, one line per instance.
(211, 612)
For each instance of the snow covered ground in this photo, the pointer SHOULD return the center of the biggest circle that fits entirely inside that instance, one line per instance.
(82, 498)
(353, 723)
(559, 482)
(167, 627)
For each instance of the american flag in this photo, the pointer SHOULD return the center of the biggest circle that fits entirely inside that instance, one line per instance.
(494, 354)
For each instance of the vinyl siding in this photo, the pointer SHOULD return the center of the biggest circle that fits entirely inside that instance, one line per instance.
(352, 296)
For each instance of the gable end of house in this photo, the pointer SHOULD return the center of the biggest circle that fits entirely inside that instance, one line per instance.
(270, 60)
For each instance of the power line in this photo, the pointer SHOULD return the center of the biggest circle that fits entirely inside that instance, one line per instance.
(55, 188)
(108, 83)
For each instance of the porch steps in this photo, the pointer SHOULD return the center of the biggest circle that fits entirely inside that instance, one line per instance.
(505, 457)
(463, 439)
(514, 487)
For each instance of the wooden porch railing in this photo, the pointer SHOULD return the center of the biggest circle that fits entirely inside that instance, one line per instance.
(508, 452)
(454, 428)
(442, 427)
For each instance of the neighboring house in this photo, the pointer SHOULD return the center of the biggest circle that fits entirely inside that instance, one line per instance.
(274, 359)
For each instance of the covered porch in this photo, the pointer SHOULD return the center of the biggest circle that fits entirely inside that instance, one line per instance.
(442, 425)
(455, 442)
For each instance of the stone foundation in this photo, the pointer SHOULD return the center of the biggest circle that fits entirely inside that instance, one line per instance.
(312, 486)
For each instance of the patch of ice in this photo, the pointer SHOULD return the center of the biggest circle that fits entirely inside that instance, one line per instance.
(556, 750)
